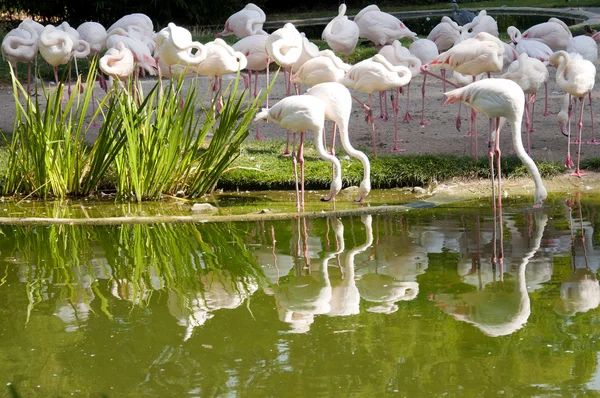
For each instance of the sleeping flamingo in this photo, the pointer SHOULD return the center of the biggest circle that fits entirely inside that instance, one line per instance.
(341, 34)
(246, 22)
(380, 27)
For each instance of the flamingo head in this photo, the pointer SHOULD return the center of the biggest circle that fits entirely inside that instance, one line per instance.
(363, 190)
(539, 196)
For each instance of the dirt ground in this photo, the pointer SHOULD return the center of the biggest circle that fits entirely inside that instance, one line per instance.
(440, 136)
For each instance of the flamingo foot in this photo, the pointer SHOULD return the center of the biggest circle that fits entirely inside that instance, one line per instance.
(423, 124)
(593, 142)
(286, 153)
(569, 162)
(469, 134)
(396, 149)
(531, 130)
(575, 141)
(578, 173)
(95, 125)
(547, 114)
(407, 118)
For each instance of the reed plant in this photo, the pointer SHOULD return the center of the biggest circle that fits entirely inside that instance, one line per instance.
(153, 144)
(48, 155)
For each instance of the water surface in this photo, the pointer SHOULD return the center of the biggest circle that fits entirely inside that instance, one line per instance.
(461, 301)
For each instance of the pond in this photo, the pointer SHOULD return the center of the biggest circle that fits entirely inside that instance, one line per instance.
(423, 25)
(430, 302)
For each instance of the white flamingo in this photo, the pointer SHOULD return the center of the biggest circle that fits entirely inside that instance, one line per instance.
(246, 22)
(341, 34)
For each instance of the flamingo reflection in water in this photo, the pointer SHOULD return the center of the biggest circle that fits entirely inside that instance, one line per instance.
(498, 312)
(581, 292)
(220, 291)
(394, 279)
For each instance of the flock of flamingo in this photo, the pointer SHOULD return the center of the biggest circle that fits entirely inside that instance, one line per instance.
(470, 49)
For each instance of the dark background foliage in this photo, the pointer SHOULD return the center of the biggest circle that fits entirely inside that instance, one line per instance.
(184, 12)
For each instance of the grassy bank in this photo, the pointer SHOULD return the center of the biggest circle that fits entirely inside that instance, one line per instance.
(261, 166)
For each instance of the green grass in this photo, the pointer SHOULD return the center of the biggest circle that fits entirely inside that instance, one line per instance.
(261, 167)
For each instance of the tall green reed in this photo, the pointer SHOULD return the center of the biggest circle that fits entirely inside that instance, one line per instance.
(48, 155)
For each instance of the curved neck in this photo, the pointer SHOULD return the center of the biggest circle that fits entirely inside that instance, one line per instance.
(355, 153)
(525, 158)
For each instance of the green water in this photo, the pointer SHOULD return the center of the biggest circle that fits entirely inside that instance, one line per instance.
(426, 303)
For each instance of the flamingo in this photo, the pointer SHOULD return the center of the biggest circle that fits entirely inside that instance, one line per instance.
(174, 46)
(56, 47)
(117, 62)
(253, 47)
(338, 107)
(501, 98)
(140, 20)
(81, 48)
(554, 33)
(426, 50)
(326, 67)
(529, 74)
(21, 45)
(221, 59)
(299, 113)
(462, 17)
(398, 55)
(141, 53)
(375, 74)
(482, 23)
(444, 34)
(482, 53)
(380, 27)
(246, 22)
(341, 34)
(309, 51)
(576, 76)
(284, 46)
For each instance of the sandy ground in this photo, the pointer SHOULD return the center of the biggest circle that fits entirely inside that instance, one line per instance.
(440, 136)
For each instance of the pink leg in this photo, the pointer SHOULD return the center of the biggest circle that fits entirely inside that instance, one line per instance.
(29, 78)
(474, 133)
(332, 152)
(295, 164)
(371, 119)
(532, 102)
(593, 140)
(407, 116)
(444, 80)
(396, 110)
(527, 126)
(546, 113)
(301, 161)
(423, 124)
(458, 118)
(569, 162)
(578, 172)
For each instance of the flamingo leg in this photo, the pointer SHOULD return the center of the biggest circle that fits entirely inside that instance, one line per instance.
(301, 161)
(578, 172)
(593, 140)
(295, 165)
(474, 133)
(332, 152)
(396, 110)
(29, 79)
(423, 124)
(372, 121)
(546, 113)
(569, 162)
(425, 70)
(458, 119)
(527, 126)
(407, 116)
(532, 98)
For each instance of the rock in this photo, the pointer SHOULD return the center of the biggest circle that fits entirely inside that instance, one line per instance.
(204, 208)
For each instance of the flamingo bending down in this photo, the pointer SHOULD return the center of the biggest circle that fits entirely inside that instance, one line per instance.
(375, 74)
(299, 113)
(380, 27)
(326, 67)
(338, 107)
(529, 74)
(501, 98)
(444, 34)
(246, 22)
(576, 76)
(341, 34)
